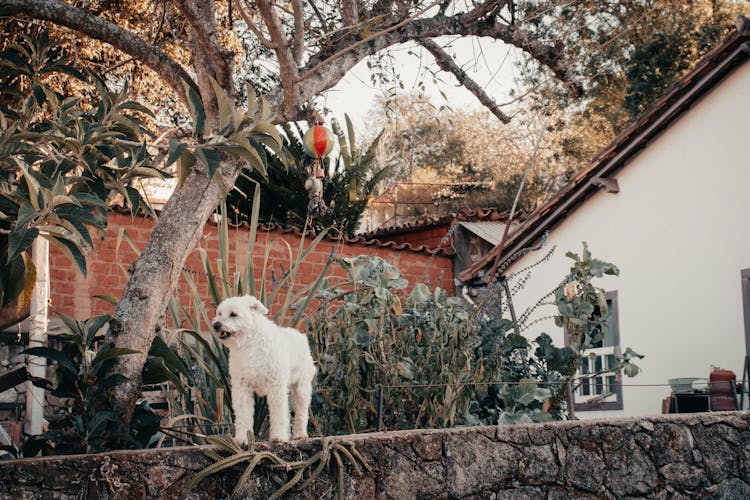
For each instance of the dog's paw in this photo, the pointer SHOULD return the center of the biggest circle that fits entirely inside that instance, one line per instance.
(300, 436)
(278, 438)
(241, 439)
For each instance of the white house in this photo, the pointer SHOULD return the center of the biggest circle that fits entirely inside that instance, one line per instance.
(668, 201)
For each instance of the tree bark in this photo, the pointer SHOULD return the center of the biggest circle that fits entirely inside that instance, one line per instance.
(155, 273)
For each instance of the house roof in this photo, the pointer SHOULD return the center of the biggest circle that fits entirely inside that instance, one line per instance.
(678, 98)
(489, 231)
(463, 214)
(361, 240)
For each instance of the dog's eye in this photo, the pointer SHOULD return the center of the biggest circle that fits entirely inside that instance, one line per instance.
(232, 314)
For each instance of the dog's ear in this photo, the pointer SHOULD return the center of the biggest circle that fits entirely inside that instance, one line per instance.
(256, 305)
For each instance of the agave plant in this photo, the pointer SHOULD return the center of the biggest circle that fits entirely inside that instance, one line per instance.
(208, 409)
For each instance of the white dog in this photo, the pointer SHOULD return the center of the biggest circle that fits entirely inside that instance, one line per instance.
(268, 360)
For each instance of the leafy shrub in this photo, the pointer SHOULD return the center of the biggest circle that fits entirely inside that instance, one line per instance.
(367, 333)
(62, 159)
(86, 421)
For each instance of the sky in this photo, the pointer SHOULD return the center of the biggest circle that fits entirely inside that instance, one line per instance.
(489, 63)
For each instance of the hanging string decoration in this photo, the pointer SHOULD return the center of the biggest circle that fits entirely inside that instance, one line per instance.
(318, 143)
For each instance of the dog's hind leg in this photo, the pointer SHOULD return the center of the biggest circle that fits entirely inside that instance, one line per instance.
(278, 409)
(301, 394)
(244, 413)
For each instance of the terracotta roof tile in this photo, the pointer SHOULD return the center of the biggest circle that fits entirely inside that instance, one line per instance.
(335, 236)
(463, 214)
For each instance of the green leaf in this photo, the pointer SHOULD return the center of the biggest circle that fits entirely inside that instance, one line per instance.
(72, 251)
(134, 200)
(62, 359)
(245, 149)
(171, 360)
(93, 325)
(185, 164)
(109, 299)
(226, 107)
(197, 111)
(75, 224)
(19, 240)
(211, 158)
(12, 279)
(176, 149)
(115, 352)
(135, 106)
(25, 214)
(269, 129)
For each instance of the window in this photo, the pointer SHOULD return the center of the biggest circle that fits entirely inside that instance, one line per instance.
(598, 386)
(745, 274)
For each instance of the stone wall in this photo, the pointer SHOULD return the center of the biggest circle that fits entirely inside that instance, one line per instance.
(671, 456)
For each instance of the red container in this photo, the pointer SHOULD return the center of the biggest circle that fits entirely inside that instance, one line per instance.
(722, 390)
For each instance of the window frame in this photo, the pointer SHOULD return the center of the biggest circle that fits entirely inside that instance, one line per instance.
(617, 404)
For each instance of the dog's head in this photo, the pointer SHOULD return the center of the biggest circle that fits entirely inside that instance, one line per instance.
(236, 316)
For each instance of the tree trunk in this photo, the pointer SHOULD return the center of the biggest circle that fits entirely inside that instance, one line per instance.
(155, 273)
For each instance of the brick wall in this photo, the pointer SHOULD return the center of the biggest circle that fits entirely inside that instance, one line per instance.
(73, 294)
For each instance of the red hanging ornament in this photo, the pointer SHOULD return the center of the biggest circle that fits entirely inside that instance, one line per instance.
(318, 141)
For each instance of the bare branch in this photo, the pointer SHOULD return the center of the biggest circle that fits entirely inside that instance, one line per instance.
(287, 64)
(200, 15)
(348, 13)
(298, 42)
(319, 74)
(483, 9)
(95, 27)
(359, 43)
(446, 63)
(251, 25)
(321, 19)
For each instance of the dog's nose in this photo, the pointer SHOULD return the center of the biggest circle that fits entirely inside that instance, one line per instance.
(217, 326)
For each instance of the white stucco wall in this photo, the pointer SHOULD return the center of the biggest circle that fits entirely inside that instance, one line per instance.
(679, 230)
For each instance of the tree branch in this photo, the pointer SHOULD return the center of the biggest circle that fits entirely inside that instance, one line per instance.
(251, 25)
(95, 27)
(319, 74)
(349, 13)
(359, 43)
(483, 9)
(200, 15)
(287, 64)
(298, 42)
(446, 63)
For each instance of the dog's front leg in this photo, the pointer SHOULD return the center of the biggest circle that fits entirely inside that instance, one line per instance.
(243, 401)
(278, 409)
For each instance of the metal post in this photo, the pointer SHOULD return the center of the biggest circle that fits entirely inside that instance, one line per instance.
(571, 404)
(379, 425)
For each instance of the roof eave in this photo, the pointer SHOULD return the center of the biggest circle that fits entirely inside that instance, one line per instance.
(679, 98)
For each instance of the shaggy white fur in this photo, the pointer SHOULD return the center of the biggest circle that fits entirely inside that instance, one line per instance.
(268, 360)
